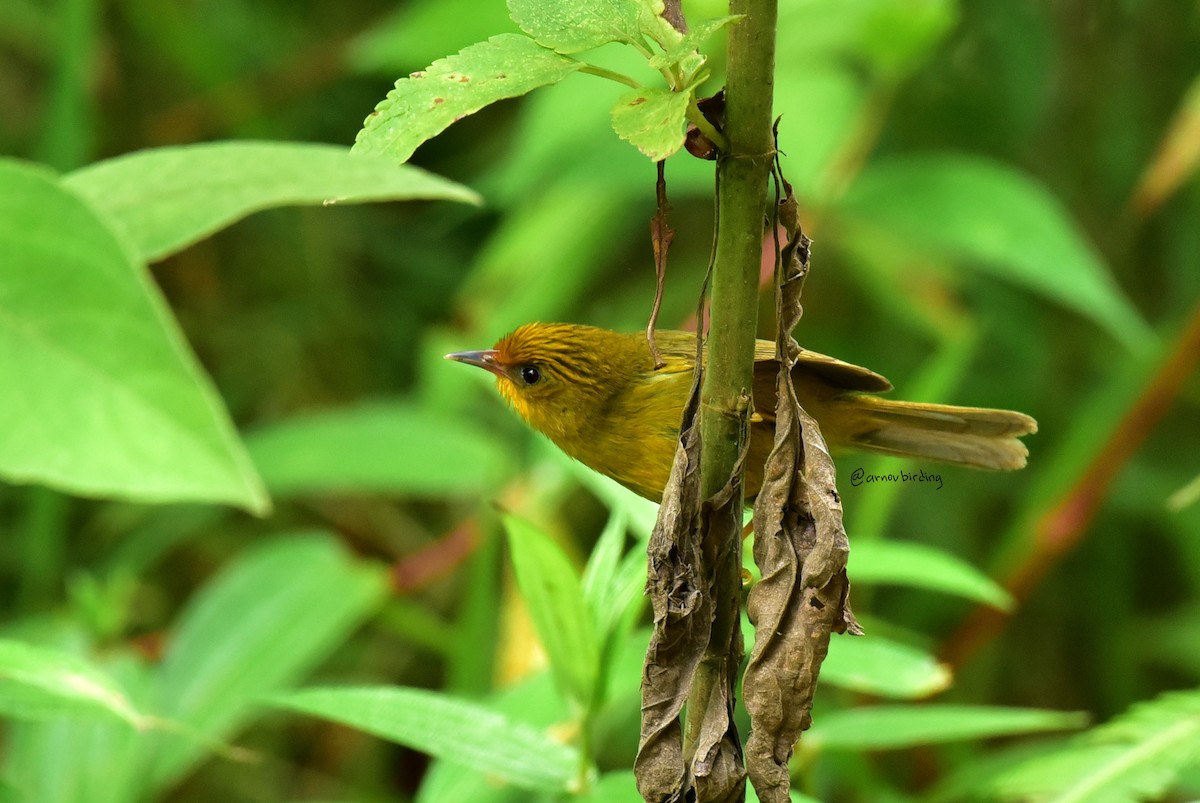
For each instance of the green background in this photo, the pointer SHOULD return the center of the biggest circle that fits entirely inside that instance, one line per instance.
(1004, 213)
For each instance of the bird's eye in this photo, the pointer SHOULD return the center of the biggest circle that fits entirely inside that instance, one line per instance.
(530, 374)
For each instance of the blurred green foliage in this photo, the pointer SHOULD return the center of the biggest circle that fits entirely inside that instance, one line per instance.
(1003, 202)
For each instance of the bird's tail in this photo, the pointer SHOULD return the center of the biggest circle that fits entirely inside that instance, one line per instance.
(970, 436)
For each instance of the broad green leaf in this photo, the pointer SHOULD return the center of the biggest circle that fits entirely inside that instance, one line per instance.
(261, 624)
(874, 665)
(396, 448)
(877, 561)
(551, 590)
(652, 120)
(101, 395)
(38, 683)
(462, 732)
(569, 26)
(988, 215)
(168, 198)
(888, 727)
(426, 103)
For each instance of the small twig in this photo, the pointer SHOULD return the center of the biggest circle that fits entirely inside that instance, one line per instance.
(661, 235)
(673, 13)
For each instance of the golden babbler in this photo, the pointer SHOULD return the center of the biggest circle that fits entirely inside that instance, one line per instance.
(598, 396)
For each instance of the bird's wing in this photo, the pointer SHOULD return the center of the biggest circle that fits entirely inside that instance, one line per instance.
(834, 372)
(679, 349)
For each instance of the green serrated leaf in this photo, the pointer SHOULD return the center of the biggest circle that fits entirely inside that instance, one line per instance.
(396, 448)
(38, 683)
(1137, 756)
(426, 103)
(874, 665)
(101, 395)
(906, 563)
(570, 26)
(888, 727)
(260, 625)
(690, 44)
(988, 215)
(551, 590)
(168, 198)
(460, 732)
(652, 120)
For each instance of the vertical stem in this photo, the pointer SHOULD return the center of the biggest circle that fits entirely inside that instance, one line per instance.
(741, 196)
(742, 193)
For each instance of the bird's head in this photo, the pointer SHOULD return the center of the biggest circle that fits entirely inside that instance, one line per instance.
(558, 377)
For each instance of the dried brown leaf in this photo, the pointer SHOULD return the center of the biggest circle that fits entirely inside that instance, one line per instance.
(717, 765)
(801, 549)
(683, 615)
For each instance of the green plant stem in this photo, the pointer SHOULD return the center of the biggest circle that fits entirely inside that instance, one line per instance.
(742, 172)
(612, 75)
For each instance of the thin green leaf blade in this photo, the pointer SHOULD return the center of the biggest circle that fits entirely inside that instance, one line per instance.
(875, 665)
(991, 216)
(1186, 496)
(599, 575)
(569, 26)
(168, 198)
(101, 395)
(916, 565)
(889, 727)
(551, 590)
(426, 103)
(1137, 756)
(652, 120)
(395, 448)
(37, 683)
(258, 626)
(84, 759)
(458, 731)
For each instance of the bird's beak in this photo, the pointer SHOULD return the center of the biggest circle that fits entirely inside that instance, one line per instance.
(483, 359)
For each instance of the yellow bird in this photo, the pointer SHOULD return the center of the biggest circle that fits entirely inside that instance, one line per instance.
(598, 396)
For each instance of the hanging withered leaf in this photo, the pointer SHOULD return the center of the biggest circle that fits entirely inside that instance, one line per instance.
(717, 766)
(800, 546)
(691, 542)
(683, 613)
